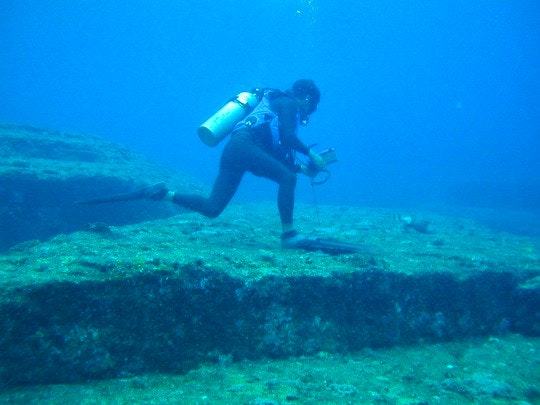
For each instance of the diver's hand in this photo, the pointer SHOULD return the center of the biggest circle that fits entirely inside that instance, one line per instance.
(316, 160)
(307, 170)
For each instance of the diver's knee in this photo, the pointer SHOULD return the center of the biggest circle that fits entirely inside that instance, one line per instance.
(213, 212)
(289, 179)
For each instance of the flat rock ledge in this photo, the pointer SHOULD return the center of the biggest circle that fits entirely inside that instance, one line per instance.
(169, 295)
(43, 173)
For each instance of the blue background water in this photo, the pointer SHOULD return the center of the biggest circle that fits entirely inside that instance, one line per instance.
(427, 103)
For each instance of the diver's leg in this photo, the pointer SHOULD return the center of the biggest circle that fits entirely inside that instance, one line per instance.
(225, 186)
(231, 171)
(286, 178)
(262, 164)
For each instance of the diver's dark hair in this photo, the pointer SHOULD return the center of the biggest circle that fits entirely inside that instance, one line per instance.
(305, 87)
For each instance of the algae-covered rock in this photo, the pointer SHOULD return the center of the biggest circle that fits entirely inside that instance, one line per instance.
(43, 173)
(171, 294)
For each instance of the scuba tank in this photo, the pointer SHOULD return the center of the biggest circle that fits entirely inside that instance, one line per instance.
(219, 125)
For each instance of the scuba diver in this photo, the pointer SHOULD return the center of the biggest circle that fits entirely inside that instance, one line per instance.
(264, 144)
(263, 141)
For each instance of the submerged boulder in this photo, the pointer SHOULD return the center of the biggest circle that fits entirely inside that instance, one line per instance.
(43, 174)
(168, 295)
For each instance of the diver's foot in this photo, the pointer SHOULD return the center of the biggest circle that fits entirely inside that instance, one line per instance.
(155, 191)
(294, 240)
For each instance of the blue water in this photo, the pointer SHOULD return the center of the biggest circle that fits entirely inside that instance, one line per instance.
(427, 103)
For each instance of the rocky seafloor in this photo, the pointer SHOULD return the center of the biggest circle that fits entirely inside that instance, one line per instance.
(193, 310)
(494, 370)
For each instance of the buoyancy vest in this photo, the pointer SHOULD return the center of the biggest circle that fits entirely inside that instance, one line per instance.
(263, 114)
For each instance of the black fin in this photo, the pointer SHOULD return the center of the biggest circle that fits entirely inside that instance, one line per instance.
(145, 192)
(333, 247)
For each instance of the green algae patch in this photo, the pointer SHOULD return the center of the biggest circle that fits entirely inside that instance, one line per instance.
(248, 248)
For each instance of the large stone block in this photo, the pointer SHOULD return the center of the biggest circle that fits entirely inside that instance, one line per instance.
(43, 173)
(170, 294)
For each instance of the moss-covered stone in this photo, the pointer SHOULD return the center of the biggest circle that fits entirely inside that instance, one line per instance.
(170, 294)
(43, 173)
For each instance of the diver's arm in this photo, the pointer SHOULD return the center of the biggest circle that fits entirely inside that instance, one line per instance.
(286, 110)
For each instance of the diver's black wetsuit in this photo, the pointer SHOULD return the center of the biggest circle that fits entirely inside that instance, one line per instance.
(250, 150)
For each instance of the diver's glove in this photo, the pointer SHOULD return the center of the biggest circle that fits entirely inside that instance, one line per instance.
(315, 166)
(307, 170)
(316, 160)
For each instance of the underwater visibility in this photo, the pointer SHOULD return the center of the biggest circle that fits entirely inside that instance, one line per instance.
(270, 202)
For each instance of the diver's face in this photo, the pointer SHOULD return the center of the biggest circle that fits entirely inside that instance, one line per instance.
(305, 107)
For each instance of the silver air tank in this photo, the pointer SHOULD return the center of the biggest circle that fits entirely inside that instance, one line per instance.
(218, 126)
